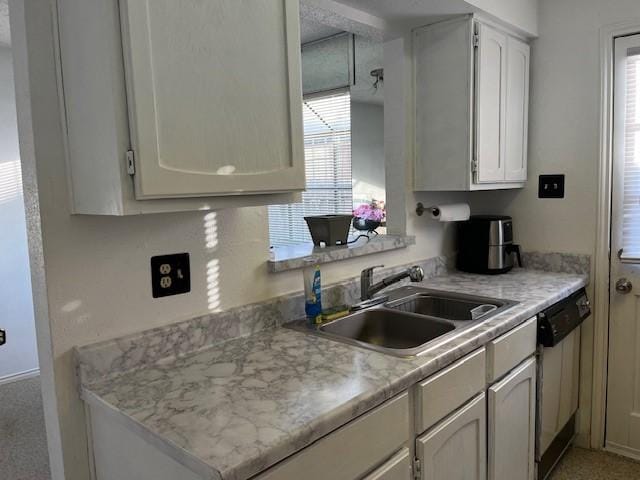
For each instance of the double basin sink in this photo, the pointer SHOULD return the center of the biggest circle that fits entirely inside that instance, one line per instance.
(411, 320)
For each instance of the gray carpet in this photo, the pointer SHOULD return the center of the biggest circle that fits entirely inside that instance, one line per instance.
(581, 464)
(23, 445)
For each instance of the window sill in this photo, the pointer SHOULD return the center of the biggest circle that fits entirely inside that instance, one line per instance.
(298, 256)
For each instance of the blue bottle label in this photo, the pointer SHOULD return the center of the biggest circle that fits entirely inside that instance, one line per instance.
(313, 302)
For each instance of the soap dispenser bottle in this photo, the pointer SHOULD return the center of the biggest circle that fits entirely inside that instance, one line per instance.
(312, 293)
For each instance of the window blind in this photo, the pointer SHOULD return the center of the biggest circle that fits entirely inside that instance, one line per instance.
(327, 152)
(631, 183)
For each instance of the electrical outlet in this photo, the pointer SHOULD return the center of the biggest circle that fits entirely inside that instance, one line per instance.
(551, 186)
(170, 275)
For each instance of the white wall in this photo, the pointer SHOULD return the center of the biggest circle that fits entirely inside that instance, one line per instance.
(367, 151)
(97, 268)
(522, 14)
(19, 355)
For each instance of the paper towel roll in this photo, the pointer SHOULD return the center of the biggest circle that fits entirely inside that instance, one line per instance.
(454, 212)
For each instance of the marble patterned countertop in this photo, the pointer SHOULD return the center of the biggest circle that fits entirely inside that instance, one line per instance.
(233, 410)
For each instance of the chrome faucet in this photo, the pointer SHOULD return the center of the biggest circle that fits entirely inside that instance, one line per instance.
(368, 289)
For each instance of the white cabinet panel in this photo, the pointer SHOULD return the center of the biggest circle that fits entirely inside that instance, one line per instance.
(216, 104)
(354, 449)
(450, 388)
(491, 72)
(443, 60)
(512, 425)
(455, 449)
(471, 89)
(207, 94)
(517, 110)
(121, 454)
(508, 350)
(397, 468)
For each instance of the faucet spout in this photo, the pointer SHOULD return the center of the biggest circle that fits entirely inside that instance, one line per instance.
(368, 289)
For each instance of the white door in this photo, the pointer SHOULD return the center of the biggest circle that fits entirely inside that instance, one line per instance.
(623, 390)
(491, 89)
(516, 125)
(214, 93)
(456, 448)
(512, 424)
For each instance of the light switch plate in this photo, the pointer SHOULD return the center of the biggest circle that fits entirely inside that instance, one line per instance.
(170, 275)
(551, 186)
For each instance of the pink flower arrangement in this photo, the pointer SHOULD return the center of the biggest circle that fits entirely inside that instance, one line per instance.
(370, 211)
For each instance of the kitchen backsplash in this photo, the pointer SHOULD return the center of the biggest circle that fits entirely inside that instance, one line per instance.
(165, 343)
(557, 262)
(113, 357)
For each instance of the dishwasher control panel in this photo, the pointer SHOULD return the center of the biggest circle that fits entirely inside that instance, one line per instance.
(559, 320)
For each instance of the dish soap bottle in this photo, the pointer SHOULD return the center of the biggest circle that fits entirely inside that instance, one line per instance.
(312, 293)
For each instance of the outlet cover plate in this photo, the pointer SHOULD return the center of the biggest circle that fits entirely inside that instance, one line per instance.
(551, 186)
(170, 275)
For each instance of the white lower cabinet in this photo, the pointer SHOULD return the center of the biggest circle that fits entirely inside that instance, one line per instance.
(512, 412)
(354, 450)
(456, 448)
(397, 468)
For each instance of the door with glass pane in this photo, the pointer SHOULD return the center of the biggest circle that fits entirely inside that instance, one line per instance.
(623, 395)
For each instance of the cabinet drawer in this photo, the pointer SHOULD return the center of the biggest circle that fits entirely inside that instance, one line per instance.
(507, 351)
(450, 388)
(397, 468)
(353, 449)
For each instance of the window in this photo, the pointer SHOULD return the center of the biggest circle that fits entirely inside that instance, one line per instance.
(327, 151)
(631, 155)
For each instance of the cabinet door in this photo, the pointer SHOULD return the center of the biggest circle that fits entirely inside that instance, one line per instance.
(455, 449)
(396, 468)
(512, 424)
(214, 96)
(491, 77)
(517, 110)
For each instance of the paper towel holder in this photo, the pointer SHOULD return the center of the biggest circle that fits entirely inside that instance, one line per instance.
(420, 209)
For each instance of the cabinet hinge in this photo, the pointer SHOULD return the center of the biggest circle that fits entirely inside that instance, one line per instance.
(131, 162)
(476, 39)
(474, 166)
(417, 469)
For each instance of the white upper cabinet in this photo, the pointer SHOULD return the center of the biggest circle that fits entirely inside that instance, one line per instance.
(517, 106)
(491, 74)
(181, 104)
(472, 95)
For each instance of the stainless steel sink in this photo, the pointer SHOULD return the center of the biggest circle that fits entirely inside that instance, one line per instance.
(411, 321)
(389, 329)
(458, 307)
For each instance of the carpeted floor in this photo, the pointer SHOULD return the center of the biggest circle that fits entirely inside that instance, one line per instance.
(23, 445)
(581, 464)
